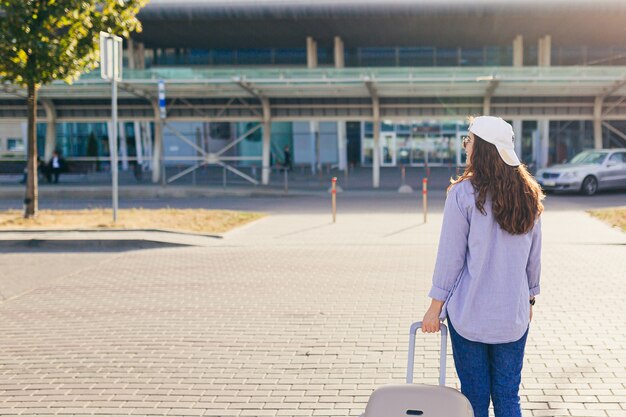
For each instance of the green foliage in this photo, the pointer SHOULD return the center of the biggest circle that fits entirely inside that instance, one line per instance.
(46, 40)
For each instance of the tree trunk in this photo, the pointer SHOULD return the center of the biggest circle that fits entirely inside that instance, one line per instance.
(30, 200)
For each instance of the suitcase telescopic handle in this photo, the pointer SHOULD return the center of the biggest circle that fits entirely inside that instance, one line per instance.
(442, 359)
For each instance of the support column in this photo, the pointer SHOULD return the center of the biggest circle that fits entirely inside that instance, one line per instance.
(316, 163)
(339, 53)
(486, 106)
(157, 153)
(376, 150)
(130, 52)
(517, 131)
(544, 141)
(311, 62)
(518, 51)
(140, 56)
(136, 54)
(491, 88)
(51, 129)
(543, 60)
(597, 122)
(147, 144)
(267, 137)
(544, 51)
(342, 145)
(311, 52)
(138, 143)
(458, 149)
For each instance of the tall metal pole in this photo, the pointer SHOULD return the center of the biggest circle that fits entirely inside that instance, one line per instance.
(111, 69)
(113, 146)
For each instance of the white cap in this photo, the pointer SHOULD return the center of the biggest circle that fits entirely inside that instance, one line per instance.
(498, 132)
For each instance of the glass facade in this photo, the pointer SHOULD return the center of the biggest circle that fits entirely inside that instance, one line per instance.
(568, 138)
(426, 56)
(252, 145)
(82, 139)
(409, 143)
(413, 143)
(433, 142)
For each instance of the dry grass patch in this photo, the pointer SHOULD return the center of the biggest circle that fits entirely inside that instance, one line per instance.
(187, 220)
(614, 216)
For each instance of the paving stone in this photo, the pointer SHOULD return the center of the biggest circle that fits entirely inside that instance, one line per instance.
(292, 316)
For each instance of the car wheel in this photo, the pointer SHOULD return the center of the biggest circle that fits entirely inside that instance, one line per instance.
(590, 186)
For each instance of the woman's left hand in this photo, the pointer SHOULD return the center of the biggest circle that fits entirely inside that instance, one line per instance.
(430, 322)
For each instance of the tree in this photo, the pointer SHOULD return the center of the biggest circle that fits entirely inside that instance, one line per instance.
(46, 40)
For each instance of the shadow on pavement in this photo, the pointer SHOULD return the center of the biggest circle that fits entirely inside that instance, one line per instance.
(81, 245)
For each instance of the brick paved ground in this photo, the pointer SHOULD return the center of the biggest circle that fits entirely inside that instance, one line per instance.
(291, 316)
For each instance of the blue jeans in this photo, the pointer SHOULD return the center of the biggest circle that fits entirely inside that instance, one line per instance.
(489, 371)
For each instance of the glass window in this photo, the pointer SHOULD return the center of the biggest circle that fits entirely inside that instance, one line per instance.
(568, 56)
(220, 130)
(619, 157)
(530, 56)
(15, 145)
(199, 57)
(589, 157)
(416, 57)
(498, 56)
(447, 57)
(254, 56)
(472, 57)
(378, 57)
(387, 127)
(352, 57)
(291, 56)
(325, 56)
(224, 56)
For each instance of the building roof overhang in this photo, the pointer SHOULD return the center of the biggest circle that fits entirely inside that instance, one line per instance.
(279, 24)
(351, 82)
(336, 94)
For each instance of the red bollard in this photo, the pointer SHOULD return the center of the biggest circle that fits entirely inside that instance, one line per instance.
(425, 197)
(334, 198)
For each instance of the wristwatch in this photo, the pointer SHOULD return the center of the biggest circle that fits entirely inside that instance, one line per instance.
(532, 301)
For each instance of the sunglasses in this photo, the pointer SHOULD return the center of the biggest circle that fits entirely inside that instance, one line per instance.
(466, 140)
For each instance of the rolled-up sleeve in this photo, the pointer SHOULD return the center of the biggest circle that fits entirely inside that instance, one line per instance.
(452, 245)
(533, 267)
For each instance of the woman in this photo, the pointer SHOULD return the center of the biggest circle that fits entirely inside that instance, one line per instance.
(488, 268)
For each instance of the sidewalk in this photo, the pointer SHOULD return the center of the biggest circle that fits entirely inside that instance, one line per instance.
(210, 184)
(291, 316)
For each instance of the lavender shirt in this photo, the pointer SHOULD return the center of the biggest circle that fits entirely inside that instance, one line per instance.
(484, 274)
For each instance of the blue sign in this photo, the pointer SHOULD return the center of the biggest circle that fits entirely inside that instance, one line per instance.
(162, 99)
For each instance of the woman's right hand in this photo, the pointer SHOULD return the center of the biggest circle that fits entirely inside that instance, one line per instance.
(430, 322)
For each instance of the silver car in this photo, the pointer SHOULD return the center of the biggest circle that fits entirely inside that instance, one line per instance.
(587, 172)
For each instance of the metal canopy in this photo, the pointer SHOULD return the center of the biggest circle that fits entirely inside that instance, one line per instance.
(304, 94)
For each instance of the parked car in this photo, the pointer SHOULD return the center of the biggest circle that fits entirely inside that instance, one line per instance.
(587, 172)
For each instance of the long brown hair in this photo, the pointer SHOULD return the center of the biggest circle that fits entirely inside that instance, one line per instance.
(514, 193)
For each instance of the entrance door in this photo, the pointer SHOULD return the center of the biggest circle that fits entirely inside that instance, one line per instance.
(388, 149)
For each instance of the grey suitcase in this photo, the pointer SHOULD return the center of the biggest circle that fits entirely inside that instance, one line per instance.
(411, 399)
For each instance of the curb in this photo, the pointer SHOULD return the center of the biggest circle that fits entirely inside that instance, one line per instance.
(133, 193)
(45, 231)
(83, 245)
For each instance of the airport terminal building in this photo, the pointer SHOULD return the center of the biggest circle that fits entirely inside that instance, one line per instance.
(345, 82)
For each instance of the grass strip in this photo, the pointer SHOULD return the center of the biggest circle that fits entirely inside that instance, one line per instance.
(184, 220)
